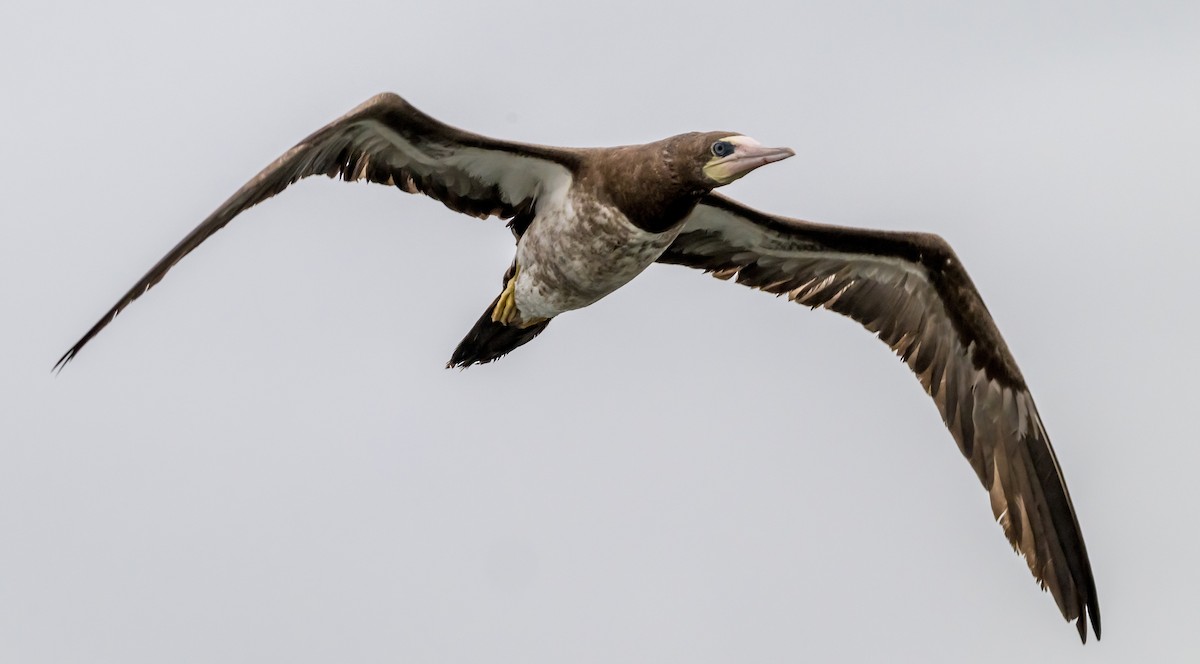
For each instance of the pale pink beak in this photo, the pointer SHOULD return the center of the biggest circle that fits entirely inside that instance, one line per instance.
(750, 157)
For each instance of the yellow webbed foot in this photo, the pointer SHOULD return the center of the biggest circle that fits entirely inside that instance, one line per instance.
(505, 311)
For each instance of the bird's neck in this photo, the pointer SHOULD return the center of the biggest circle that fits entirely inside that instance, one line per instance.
(646, 189)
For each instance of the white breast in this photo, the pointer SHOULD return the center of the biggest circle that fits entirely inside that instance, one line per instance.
(577, 251)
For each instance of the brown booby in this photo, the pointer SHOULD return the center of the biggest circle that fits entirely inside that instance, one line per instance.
(587, 221)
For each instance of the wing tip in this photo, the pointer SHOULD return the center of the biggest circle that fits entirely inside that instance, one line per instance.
(1092, 611)
(91, 334)
(64, 360)
(70, 354)
(1092, 615)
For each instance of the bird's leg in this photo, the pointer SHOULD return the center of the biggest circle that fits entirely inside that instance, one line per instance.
(505, 311)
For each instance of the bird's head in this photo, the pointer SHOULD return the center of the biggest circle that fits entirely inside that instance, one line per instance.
(719, 157)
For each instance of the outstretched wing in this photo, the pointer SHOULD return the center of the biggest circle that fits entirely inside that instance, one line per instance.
(911, 290)
(386, 140)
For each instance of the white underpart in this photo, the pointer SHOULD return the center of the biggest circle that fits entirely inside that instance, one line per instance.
(577, 251)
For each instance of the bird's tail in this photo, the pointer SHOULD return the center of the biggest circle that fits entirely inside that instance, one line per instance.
(489, 340)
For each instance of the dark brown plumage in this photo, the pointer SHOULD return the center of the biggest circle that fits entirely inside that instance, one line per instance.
(912, 291)
(589, 220)
(388, 141)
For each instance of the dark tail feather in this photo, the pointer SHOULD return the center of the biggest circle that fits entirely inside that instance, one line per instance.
(490, 340)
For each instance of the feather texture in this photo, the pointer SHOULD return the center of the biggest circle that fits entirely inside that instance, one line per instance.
(387, 141)
(911, 291)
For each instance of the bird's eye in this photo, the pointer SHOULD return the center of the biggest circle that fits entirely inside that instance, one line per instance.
(722, 148)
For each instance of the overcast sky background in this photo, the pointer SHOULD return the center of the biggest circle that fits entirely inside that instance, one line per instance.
(264, 460)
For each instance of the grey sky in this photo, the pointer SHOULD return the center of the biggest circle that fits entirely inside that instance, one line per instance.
(264, 460)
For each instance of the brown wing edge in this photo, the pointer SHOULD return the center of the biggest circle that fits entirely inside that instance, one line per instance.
(351, 164)
(975, 330)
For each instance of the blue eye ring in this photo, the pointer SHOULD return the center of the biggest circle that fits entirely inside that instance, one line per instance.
(722, 149)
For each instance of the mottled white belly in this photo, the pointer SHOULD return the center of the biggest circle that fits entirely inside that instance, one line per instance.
(577, 252)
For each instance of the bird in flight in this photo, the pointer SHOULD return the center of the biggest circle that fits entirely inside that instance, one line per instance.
(589, 220)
